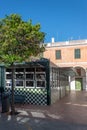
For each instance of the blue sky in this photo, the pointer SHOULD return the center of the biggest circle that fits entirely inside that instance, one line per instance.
(62, 19)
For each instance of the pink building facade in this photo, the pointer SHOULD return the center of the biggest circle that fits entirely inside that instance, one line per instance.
(71, 55)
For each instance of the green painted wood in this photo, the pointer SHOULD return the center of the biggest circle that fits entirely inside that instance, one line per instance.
(3, 76)
(48, 83)
(0, 77)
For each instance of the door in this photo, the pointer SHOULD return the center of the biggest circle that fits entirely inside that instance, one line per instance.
(78, 84)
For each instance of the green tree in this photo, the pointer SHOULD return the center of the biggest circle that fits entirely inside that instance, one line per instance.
(19, 40)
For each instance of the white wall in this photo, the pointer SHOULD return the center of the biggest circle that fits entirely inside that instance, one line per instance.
(72, 83)
(55, 94)
(84, 83)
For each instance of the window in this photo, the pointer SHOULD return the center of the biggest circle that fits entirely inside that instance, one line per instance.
(40, 76)
(8, 78)
(77, 53)
(78, 71)
(20, 70)
(40, 69)
(30, 69)
(19, 83)
(30, 76)
(19, 76)
(40, 83)
(27, 77)
(58, 54)
(29, 83)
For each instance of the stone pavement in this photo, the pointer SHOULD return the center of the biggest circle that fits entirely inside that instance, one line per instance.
(70, 113)
(72, 108)
(26, 123)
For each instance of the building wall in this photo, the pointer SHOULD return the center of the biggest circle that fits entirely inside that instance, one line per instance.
(55, 94)
(67, 53)
(68, 58)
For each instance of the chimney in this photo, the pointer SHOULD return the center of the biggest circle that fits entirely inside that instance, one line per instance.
(52, 40)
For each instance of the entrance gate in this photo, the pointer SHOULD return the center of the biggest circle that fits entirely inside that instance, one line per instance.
(78, 84)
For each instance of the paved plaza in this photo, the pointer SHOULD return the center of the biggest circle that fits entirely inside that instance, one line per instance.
(70, 113)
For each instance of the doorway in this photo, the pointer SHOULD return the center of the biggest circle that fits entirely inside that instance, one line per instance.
(78, 84)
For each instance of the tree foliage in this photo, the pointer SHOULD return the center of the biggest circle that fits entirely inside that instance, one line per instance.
(19, 40)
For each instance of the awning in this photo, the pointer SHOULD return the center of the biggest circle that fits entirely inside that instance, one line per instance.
(68, 71)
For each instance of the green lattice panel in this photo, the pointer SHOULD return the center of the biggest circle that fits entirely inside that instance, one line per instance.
(32, 96)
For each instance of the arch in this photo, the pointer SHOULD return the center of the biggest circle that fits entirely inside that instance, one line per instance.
(75, 66)
(78, 82)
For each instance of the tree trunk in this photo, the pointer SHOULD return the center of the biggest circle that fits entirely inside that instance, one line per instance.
(12, 91)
